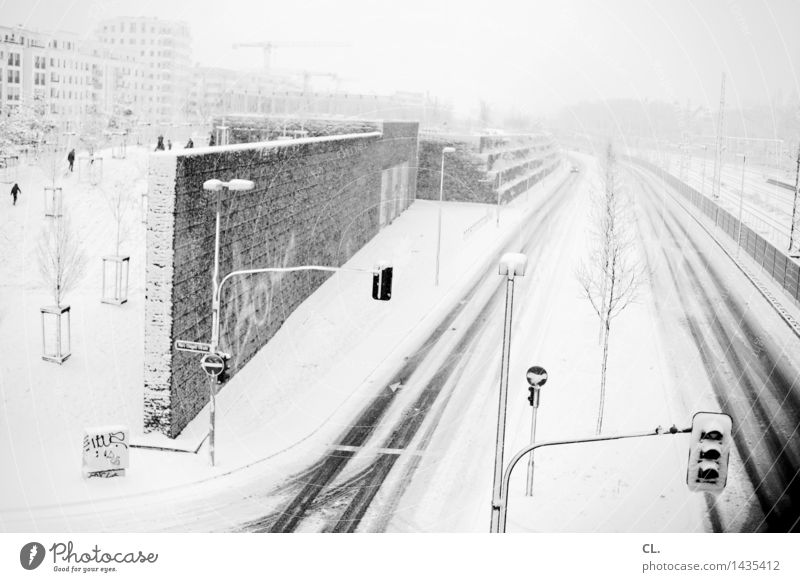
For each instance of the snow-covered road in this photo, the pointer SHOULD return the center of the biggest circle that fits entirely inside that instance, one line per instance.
(386, 441)
(734, 354)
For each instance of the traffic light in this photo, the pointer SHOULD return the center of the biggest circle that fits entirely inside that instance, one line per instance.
(382, 282)
(224, 376)
(709, 451)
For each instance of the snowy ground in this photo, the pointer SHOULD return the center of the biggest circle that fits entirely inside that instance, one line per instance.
(336, 352)
(331, 349)
(637, 485)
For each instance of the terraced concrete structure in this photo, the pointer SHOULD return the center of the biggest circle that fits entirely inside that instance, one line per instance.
(484, 168)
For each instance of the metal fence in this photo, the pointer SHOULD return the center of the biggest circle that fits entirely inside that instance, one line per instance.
(774, 261)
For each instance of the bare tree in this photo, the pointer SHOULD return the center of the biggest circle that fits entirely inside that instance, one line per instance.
(611, 274)
(51, 164)
(62, 261)
(119, 203)
(92, 132)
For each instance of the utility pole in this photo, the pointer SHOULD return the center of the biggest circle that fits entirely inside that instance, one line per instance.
(720, 130)
(741, 203)
(794, 233)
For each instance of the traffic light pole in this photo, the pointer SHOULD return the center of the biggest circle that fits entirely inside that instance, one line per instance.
(534, 400)
(218, 288)
(215, 316)
(502, 502)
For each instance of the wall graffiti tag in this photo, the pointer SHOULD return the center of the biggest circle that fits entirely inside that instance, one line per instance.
(105, 451)
(249, 308)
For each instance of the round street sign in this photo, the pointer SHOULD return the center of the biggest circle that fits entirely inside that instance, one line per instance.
(212, 364)
(537, 376)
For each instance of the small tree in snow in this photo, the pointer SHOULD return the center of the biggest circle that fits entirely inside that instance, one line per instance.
(52, 164)
(611, 275)
(119, 203)
(92, 132)
(116, 267)
(62, 261)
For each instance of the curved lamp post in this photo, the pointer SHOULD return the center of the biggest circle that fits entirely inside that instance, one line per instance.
(235, 185)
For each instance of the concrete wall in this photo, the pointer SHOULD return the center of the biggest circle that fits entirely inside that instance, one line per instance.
(316, 201)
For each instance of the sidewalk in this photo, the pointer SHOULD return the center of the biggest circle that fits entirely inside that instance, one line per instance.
(331, 354)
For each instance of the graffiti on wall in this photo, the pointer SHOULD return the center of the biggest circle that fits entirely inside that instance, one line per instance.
(250, 301)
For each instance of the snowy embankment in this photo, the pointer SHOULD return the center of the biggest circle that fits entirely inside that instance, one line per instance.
(296, 394)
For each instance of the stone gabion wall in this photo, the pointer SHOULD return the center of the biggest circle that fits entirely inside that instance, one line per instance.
(257, 128)
(484, 168)
(465, 175)
(316, 201)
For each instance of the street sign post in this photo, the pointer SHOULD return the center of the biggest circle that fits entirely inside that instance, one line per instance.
(212, 364)
(196, 347)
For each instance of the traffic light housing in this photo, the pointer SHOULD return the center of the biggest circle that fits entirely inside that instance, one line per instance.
(709, 450)
(382, 282)
(224, 376)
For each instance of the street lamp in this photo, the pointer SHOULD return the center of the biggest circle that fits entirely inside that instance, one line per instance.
(447, 150)
(537, 377)
(511, 265)
(217, 186)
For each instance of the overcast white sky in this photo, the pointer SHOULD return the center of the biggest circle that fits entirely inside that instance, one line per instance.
(534, 55)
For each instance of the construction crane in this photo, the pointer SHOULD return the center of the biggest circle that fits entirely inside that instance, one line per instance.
(267, 48)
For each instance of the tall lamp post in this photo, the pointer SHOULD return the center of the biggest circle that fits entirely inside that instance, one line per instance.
(447, 150)
(216, 186)
(511, 265)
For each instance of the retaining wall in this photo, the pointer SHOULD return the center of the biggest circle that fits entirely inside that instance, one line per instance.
(316, 201)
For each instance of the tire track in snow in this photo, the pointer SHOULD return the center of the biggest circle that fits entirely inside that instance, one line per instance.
(314, 481)
(769, 462)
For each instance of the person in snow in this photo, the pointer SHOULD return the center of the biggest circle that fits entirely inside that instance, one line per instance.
(71, 158)
(211, 140)
(15, 190)
(169, 144)
(160, 143)
(189, 144)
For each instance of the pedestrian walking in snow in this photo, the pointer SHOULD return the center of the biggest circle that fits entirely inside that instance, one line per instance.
(189, 144)
(169, 144)
(71, 158)
(160, 143)
(15, 190)
(212, 140)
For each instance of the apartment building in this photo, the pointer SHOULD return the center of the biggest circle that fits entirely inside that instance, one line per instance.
(48, 70)
(161, 48)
